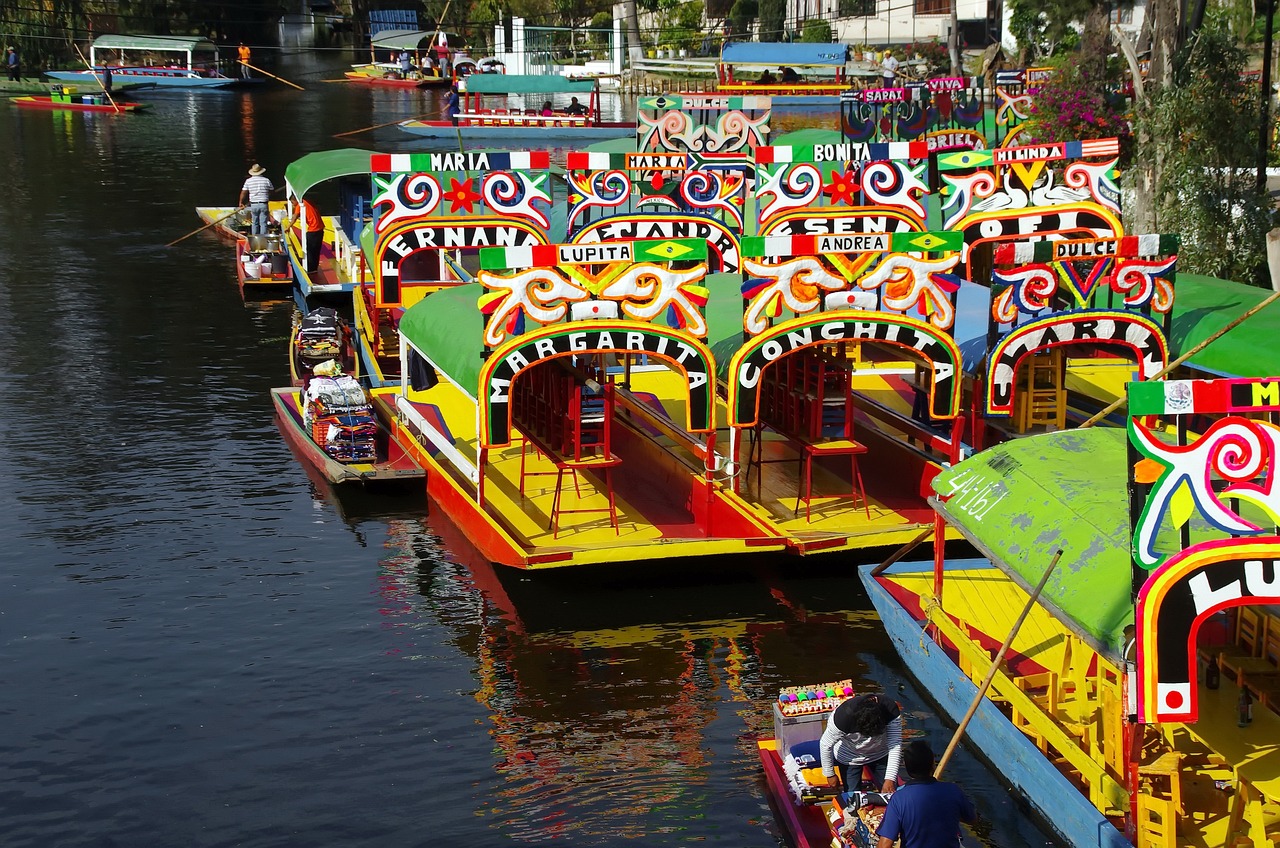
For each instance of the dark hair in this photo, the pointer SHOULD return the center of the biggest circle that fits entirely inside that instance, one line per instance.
(917, 758)
(865, 716)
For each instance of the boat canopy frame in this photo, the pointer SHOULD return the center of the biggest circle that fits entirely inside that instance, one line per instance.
(187, 45)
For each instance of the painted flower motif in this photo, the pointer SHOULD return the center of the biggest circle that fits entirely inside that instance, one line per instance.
(461, 195)
(842, 187)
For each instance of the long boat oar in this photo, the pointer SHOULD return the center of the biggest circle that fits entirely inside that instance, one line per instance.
(273, 76)
(901, 552)
(995, 667)
(206, 226)
(432, 114)
(1120, 401)
(94, 74)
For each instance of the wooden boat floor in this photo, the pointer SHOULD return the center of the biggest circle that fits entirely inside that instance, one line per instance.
(644, 513)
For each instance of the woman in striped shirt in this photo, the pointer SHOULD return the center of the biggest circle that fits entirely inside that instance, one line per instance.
(863, 731)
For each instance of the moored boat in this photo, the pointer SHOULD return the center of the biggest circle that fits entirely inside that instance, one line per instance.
(261, 263)
(340, 264)
(510, 107)
(1139, 695)
(336, 429)
(163, 61)
(425, 70)
(69, 99)
(319, 336)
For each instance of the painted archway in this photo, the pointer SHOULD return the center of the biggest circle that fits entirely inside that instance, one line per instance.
(1135, 333)
(1078, 220)
(412, 235)
(1177, 598)
(506, 361)
(936, 347)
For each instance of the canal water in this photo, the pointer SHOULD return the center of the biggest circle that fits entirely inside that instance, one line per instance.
(202, 647)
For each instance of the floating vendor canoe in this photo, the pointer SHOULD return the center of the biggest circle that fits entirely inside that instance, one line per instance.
(1140, 692)
(812, 814)
(508, 107)
(319, 336)
(262, 264)
(354, 446)
(69, 100)
(232, 223)
(389, 74)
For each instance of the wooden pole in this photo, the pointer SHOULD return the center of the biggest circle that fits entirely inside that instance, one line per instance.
(273, 76)
(1120, 401)
(901, 552)
(94, 74)
(206, 226)
(434, 114)
(995, 666)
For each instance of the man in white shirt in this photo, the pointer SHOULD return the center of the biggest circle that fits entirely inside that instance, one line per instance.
(889, 68)
(257, 192)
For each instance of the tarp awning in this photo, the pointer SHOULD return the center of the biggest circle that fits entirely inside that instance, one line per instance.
(315, 168)
(1204, 305)
(399, 40)
(527, 84)
(153, 42)
(780, 55)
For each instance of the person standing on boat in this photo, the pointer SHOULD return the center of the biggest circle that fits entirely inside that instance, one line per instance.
(406, 64)
(863, 731)
(257, 193)
(12, 64)
(925, 812)
(451, 105)
(313, 232)
(889, 69)
(244, 54)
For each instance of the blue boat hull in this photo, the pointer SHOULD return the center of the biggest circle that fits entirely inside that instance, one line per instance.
(1019, 762)
(174, 80)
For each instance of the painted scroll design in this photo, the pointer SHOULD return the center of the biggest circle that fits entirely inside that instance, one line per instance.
(1240, 452)
(643, 291)
(785, 187)
(508, 193)
(1029, 290)
(890, 282)
(677, 131)
(1028, 186)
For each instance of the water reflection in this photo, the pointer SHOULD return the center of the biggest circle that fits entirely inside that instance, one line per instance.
(628, 707)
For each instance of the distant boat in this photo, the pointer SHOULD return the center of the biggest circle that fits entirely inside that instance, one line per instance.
(508, 106)
(169, 61)
(390, 73)
(69, 99)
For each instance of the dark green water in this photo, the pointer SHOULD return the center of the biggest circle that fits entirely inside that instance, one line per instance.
(202, 648)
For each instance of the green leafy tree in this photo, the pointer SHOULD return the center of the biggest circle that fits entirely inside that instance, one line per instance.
(742, 15)
(772, 19)
(1199, 137)
(816, 32)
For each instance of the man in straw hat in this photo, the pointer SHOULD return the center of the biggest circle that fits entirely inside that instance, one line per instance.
(11, 64)
(257, 192)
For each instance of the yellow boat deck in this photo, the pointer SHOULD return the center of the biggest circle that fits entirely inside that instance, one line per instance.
(1209, 784)
(658, 519)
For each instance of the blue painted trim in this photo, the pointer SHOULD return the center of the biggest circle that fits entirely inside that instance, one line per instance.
(1021, 764)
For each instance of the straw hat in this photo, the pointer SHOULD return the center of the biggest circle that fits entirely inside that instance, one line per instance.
(257, 171)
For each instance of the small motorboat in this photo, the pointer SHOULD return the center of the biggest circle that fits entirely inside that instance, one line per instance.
(319, 336)
(68, 98)
(338, 431)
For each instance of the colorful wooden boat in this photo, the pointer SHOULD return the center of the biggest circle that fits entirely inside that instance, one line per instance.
(319, 336)
(502, 107)
(228, 222)
(164, 61)
(262, 264)
(743, 62)
(390, 74)
(341, 264)
(14, 88)
(359, 433)
(69, 100)
(1139, 695)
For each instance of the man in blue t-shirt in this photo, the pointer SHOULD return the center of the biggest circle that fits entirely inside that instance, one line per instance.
(924, 812)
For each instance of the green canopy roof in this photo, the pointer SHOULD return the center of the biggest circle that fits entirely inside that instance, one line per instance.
(1204, 305)
(314, 168)
(527, 84)
(180, 43)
